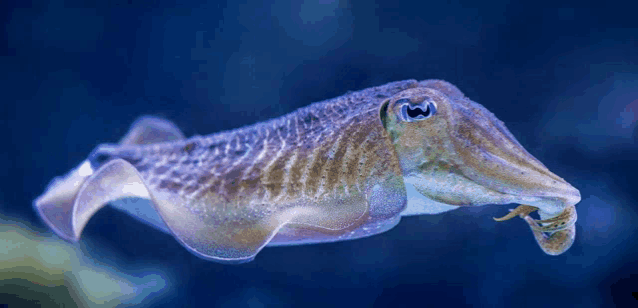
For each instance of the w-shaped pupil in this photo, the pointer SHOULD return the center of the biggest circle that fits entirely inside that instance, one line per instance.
(413, 113)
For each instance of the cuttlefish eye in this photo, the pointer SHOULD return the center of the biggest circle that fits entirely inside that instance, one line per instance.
(416, 112)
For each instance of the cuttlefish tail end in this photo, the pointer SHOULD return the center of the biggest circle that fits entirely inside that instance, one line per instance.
(555, 235)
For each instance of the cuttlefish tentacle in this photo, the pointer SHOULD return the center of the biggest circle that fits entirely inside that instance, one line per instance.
(560, 222)
(521, 211)
(487, 166)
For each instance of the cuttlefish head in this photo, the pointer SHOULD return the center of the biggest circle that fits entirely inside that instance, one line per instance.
(456, 152)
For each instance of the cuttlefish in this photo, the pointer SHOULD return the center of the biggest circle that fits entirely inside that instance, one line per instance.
(340, 169)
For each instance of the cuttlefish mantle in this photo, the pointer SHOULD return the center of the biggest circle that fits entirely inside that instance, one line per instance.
(340, 169)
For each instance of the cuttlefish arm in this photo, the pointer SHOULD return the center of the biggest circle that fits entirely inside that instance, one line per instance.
(561, 228)
(454, 151)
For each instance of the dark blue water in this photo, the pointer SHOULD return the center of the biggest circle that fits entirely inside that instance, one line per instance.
(563, 79)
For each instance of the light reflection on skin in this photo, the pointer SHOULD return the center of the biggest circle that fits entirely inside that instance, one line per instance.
(85, 169)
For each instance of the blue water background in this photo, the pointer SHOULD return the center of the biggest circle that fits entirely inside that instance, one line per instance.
(564, 80)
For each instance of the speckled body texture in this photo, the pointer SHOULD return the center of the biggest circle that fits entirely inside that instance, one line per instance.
(329, 147)
(330, 154)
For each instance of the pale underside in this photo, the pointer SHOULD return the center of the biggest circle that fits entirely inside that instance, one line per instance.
(144, 210)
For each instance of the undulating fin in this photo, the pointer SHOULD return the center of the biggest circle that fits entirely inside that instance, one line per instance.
(290, 235)
(210, 224)
(149, 129)
(56, 204)
(385, 199)
(112, 181)
(201, 225)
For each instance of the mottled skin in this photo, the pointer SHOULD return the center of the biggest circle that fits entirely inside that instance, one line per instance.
(334, 170)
